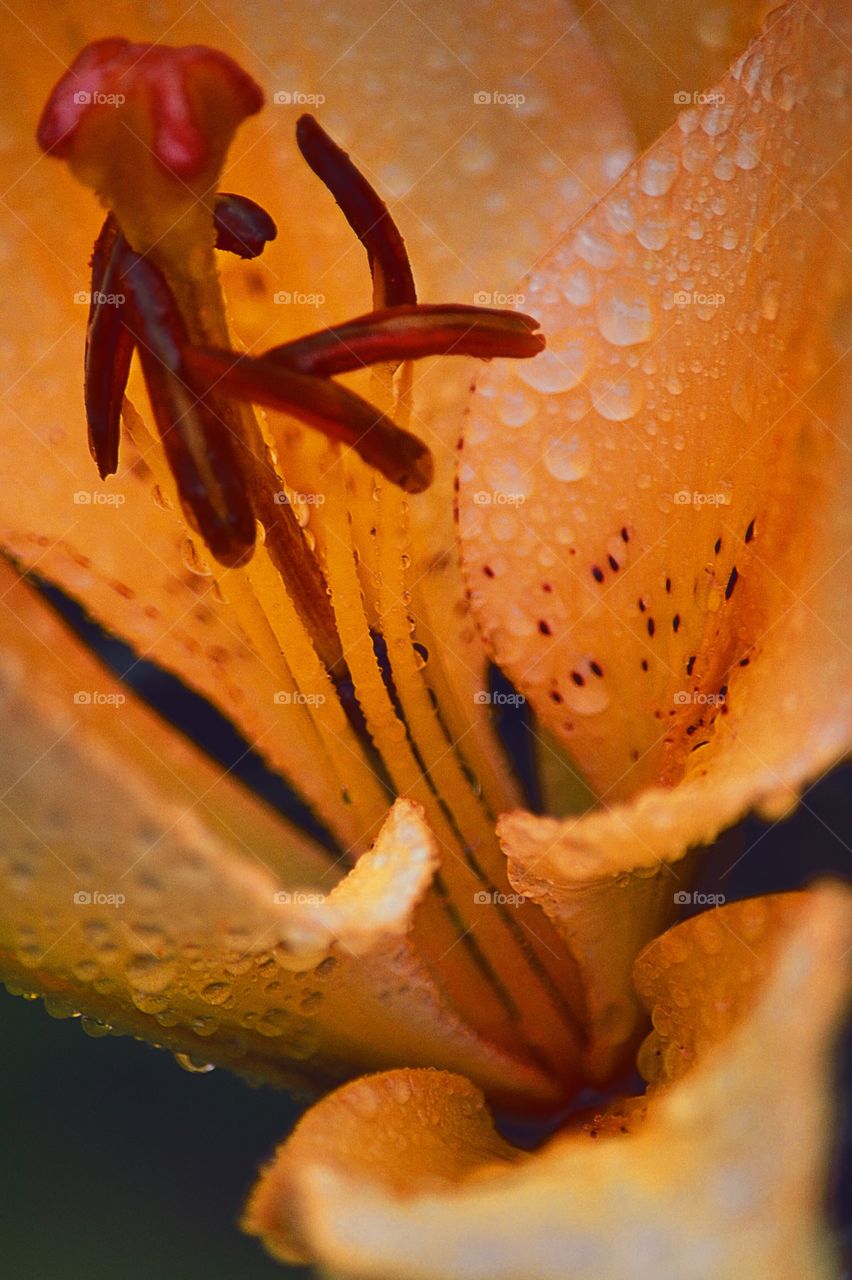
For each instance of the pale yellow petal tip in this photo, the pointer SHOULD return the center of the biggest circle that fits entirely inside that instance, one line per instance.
(721, 1175)
(374, 902)
(699, 980)
(412, 1128)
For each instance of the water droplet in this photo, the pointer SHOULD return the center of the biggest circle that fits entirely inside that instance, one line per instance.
(770, 300)
(149, 1003)
(193, 561)
(273, 1023)
(654, 232)
(577, 287)
(161, 499)
(204, 1026)
(657, 172)
(624, 315)
(515, 409)
(363, 1098)
(559, 368)
(617, 398)
(713, 27)
(781, 89)
(742, 398)
(187, 1063)
(716, 119)
(94, 1028)
(149, 974)
(215, 992)
(594, 249)
(724, 168)
(400, 1088)
(588, 699)
(473, 156)
(568, 459)
(749, 146)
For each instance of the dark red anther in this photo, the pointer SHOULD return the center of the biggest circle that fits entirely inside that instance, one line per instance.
(200, 433)
(364, 210)
(321, 403)
(242, 227)
(109, 347)
(410, 333)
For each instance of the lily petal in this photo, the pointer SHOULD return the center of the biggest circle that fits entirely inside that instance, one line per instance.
(668, 571)
(152, 894)
(725, 1176)
(697, 981)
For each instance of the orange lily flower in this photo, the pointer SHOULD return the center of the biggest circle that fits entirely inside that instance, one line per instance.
(651, 532)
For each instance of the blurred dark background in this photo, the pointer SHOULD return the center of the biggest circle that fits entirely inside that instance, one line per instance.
(120, 1164)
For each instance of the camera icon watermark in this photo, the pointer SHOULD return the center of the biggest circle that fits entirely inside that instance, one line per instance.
(497, 699)
(683, 498)
(98, 498)
(283, 698)
(483, 98)
(493, 497)
(92, 698)
(484, 298)
(684, 697)
(83, 98)
(494, 897)
(95, 898)
(684, 899)
(295, 98)
(282, 499)
(284, 298)
(698, 98)
(83, 298)
(697, 298)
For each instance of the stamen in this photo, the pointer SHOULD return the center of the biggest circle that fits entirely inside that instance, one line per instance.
(339, 413)
(364, 210)
(109, 348)
(410, 333)
(202, 447)
(242, 227)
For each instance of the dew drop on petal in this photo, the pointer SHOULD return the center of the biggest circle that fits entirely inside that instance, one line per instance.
(559, 368)
(617, 398)
(577, 287)
(515, 409)
(594, 249)
(188, 1063)
(95, 1028)
(657, 172)
(215, 992)
(624, 315)
(568, 459)
(149, 974)
(654, 232)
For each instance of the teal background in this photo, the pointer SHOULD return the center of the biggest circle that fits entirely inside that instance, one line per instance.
(118, 1165)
